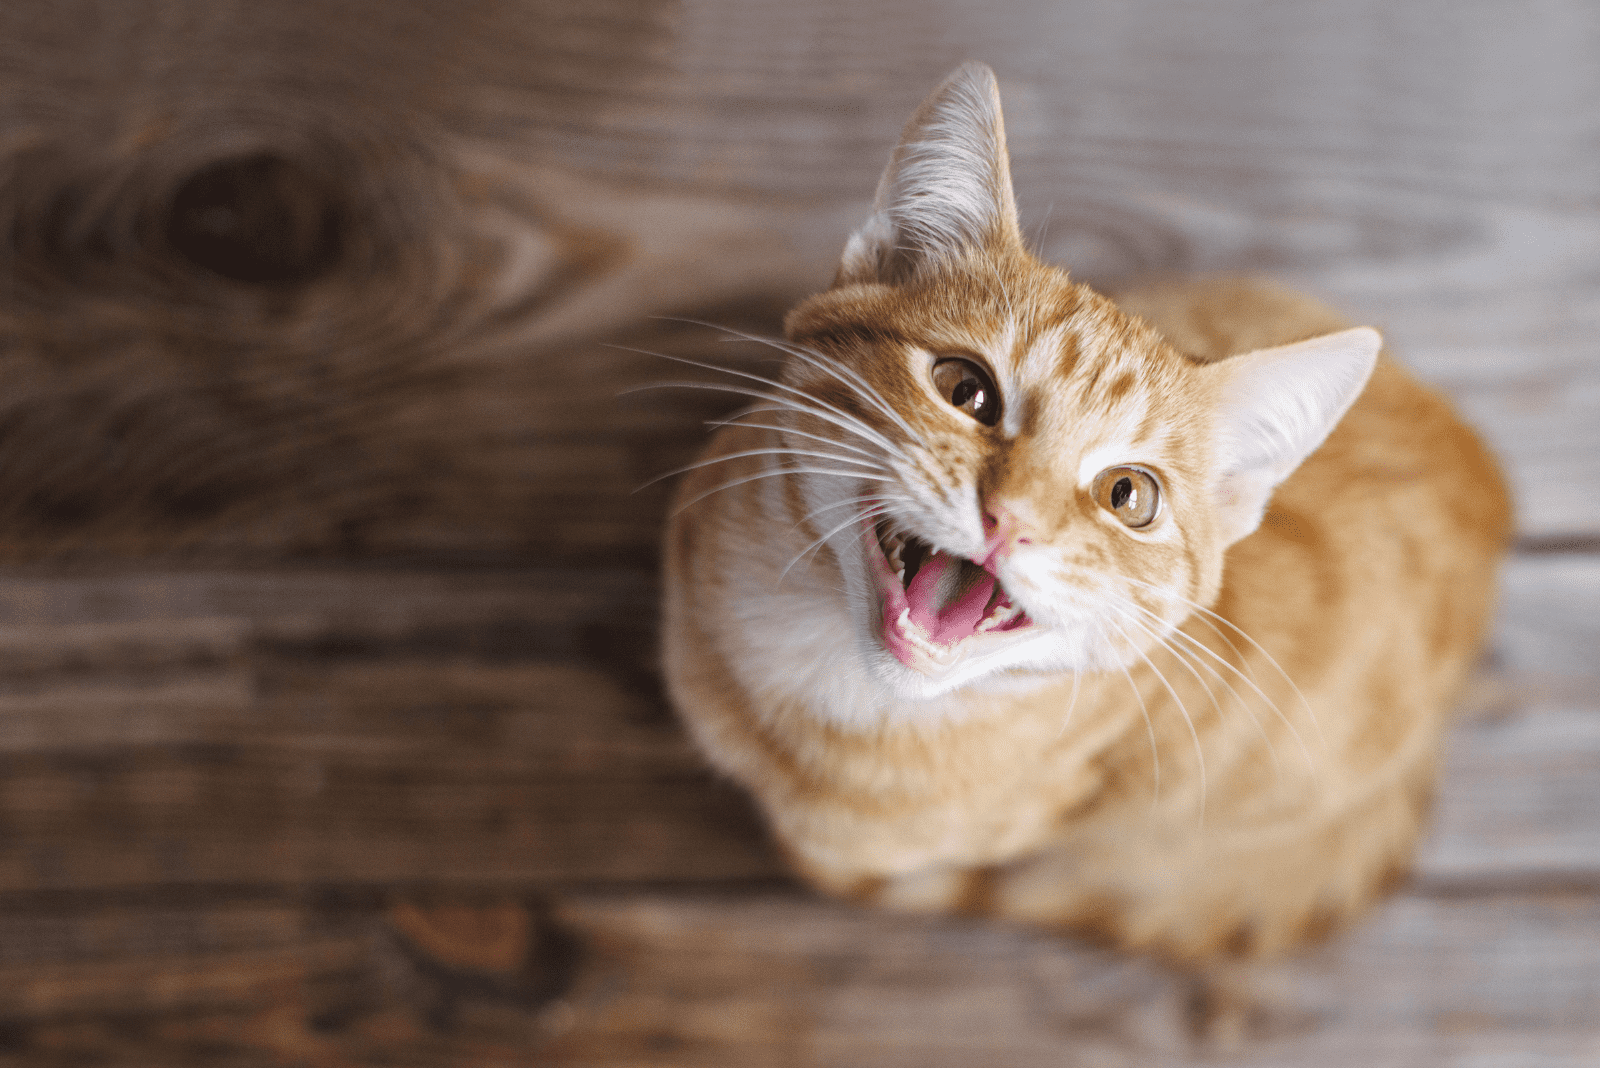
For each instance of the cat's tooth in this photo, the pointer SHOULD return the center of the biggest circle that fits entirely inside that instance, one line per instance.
(891, 552)
(1000, 618)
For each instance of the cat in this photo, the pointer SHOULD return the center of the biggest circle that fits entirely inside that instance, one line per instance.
(1137, 619)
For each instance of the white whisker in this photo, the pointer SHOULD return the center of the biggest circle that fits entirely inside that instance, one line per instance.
(1199, 752)
(1072, 703)
(818, 543)
(845, 374)
(734, 420)
(1176, 651)
(1201, 647)
(1210, 615)
(864, 388)
(1011, 309)
(1043, 231)
(786, 404)
(1150, 729)
(755, 452)
(865, 430)
(847, 502)
(775, 474)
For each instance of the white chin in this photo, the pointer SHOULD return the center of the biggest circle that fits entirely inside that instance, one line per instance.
(928, 677)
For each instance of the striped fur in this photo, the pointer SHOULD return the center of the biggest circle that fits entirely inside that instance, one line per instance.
(1214, 734)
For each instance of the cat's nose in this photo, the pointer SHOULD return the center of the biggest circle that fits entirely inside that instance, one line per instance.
(1003, 530)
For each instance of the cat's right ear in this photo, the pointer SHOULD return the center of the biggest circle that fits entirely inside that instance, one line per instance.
(1275, 406)
(946, 190)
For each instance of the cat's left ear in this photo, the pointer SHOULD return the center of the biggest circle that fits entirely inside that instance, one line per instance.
(1275, 407)
(946, 190)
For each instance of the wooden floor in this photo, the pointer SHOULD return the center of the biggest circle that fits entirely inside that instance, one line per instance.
(330, 729)
(373, 816)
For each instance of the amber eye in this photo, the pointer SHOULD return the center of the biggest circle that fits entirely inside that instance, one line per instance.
(1132, 494)
(968, 387)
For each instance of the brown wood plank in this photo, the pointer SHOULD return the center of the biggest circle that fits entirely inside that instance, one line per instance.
(293, 728)
(651, 977)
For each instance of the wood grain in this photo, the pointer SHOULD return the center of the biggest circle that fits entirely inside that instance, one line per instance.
(709, 982)
(532, 180)
(434, 811)
(651, 977)
(291, 728)
(391, 763)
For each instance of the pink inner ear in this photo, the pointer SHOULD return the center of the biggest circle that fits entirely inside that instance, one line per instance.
(959, 618)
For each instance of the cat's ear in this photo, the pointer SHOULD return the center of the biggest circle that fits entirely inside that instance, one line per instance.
(1275, 407)
(947, 188)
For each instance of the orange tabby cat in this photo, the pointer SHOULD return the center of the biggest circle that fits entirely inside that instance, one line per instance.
(1010, 599)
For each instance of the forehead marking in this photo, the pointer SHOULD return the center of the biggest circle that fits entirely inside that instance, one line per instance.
(1033, 373)
(1040, 356)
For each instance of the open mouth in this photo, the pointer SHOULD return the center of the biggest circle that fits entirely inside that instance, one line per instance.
(937, 607)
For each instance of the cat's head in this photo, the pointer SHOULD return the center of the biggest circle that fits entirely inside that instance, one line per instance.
(1044, 482)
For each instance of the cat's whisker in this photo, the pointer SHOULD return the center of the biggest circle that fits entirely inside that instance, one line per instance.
(1176, 633)
(845, 374)
(779, 472)
(1183, 709)
(755, 452)
(818, 402)
(1164, 641)
(847, 502)
(1201, 647)
(1043, 231)
(1011, 308)
(784, 404)
(1072, 703)
(1173, 595)
(732, 418)
(851, 377)
(735, 420)
(1150, 728)
(819, 542)
(1210, 615)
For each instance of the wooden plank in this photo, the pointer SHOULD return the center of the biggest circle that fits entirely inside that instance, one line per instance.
(1154, 141)
(363, 728)
(1522, 774)
(293, 728)
(554, 174)
(712, 981)
(694, 979)
(186, 758)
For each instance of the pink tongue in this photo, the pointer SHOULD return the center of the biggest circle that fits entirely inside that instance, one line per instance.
(958, 618)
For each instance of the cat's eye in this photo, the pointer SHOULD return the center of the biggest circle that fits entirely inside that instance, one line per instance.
(1132, 494)
(967, 386)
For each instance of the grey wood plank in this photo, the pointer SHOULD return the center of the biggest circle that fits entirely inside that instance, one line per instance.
(1503, 980)
(1521, 780)
(1392, 179)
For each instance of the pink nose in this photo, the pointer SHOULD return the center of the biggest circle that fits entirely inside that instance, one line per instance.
(1003, 530)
